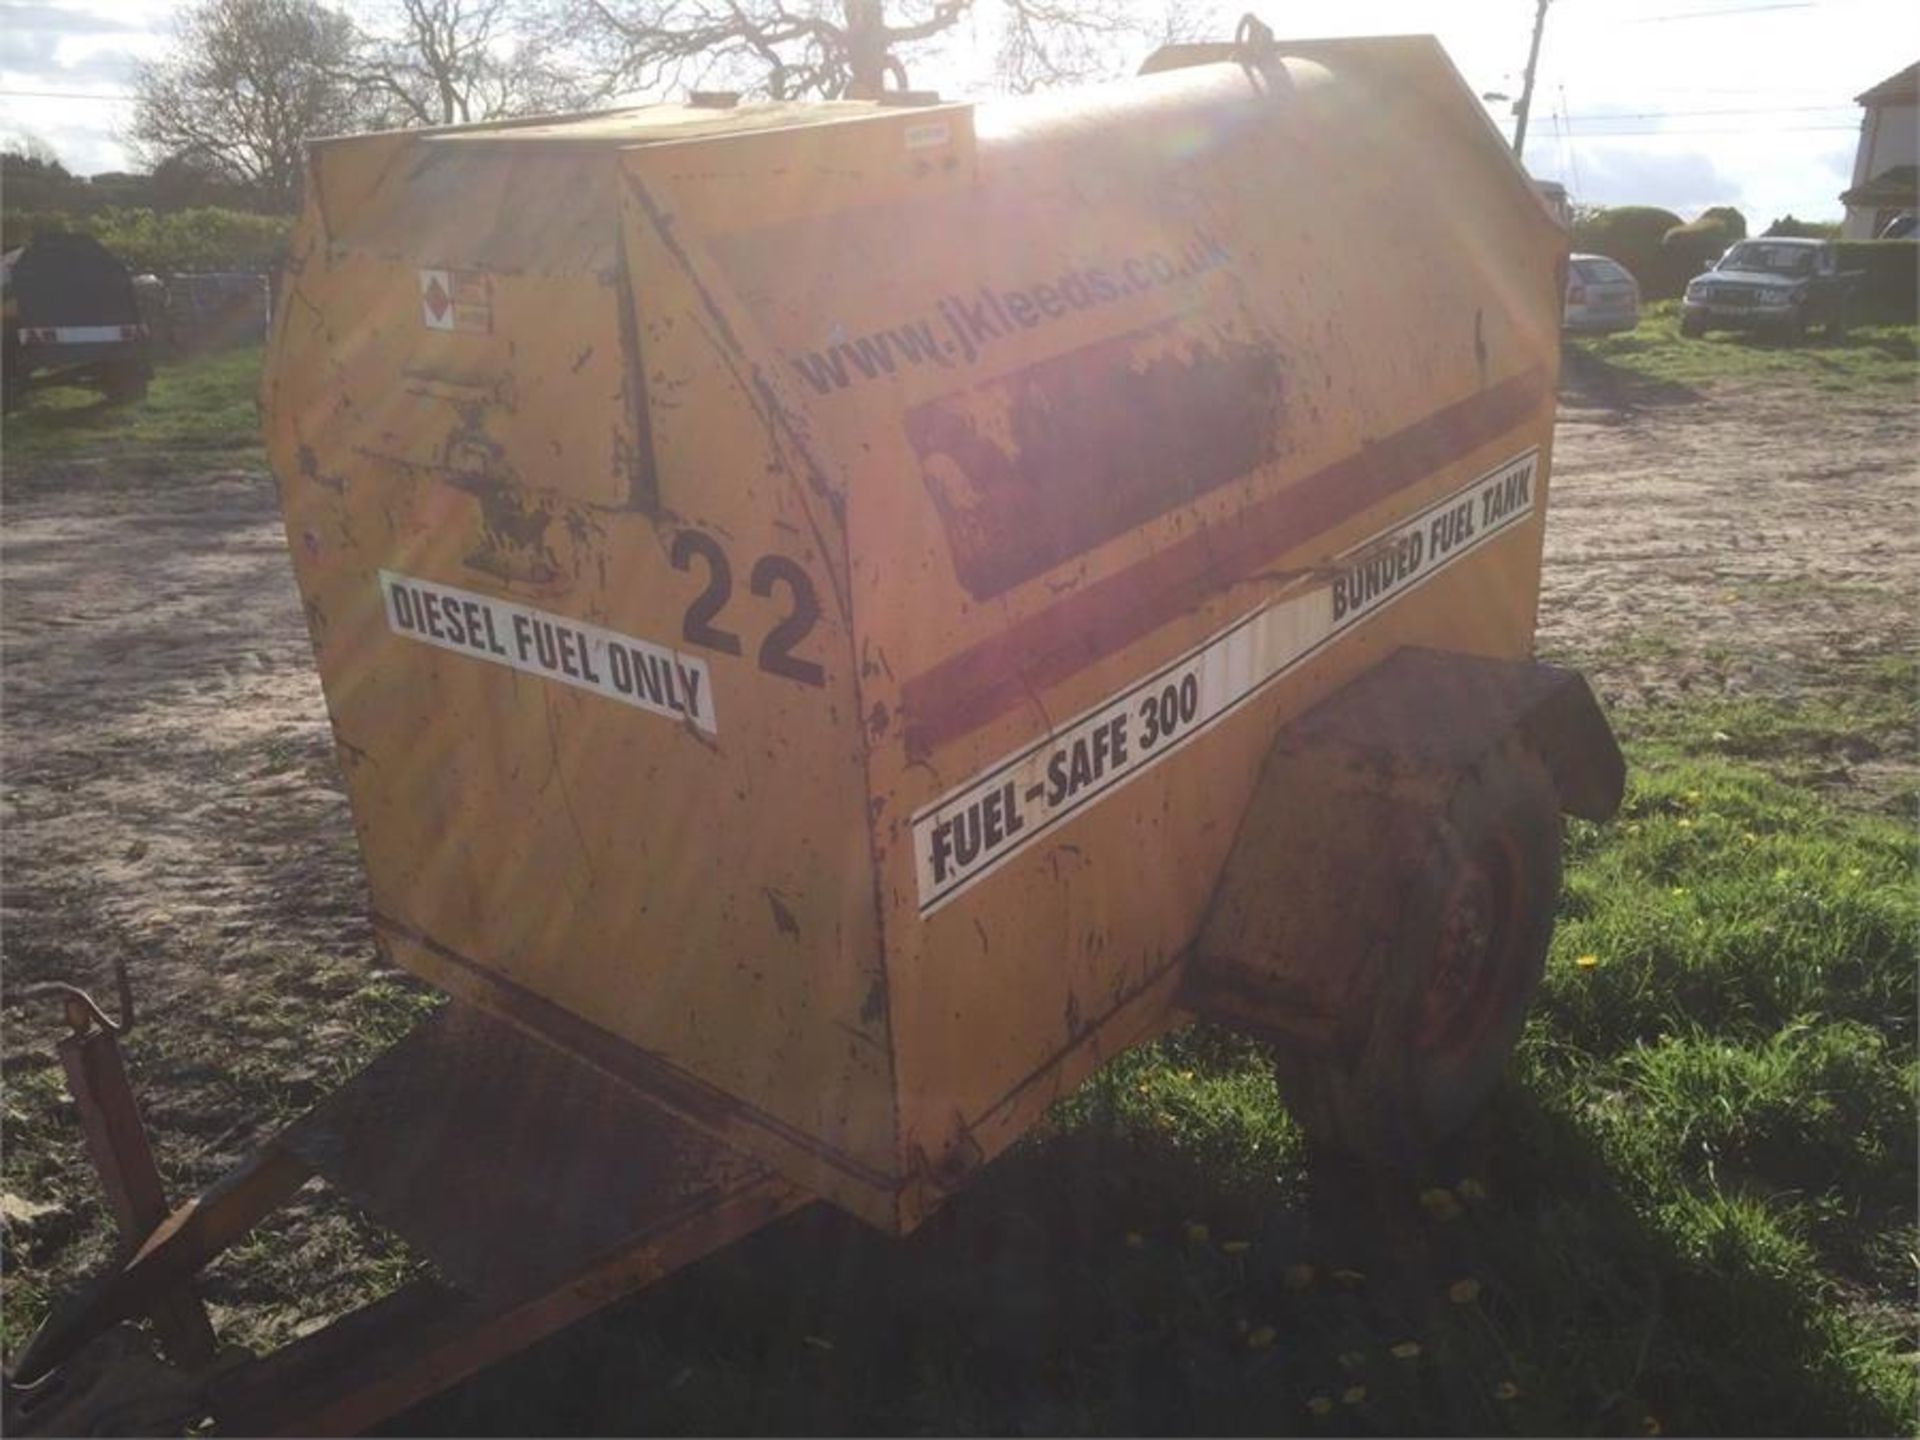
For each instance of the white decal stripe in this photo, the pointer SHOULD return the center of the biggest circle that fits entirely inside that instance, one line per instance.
(80, 334)
(554, 647)
(973, 830)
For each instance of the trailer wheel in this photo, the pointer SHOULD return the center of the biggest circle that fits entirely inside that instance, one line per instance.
(13, 374)
(1441, 999)
(124, 382)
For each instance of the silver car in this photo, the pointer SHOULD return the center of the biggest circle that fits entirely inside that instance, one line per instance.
(1601, 295)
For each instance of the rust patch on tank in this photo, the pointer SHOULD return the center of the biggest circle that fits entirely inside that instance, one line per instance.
(974, 686)
(1031, 469)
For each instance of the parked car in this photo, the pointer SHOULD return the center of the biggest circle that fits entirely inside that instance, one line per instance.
(1602, 295)
(1778, 284)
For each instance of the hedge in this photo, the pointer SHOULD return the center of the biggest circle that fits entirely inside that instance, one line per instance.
(1664, 254)
(146, 240)
(1688, 249)
(1790, 228)
(1889, 290)
(1632, 235)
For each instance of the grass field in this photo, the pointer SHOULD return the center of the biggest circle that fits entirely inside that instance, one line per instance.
(1868, 355)
(197, 414)
(1690, 1209)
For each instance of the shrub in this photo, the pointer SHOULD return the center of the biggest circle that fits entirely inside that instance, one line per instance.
(1631, 234)
(1692, 247)
(1786, 227)
(1889, 290)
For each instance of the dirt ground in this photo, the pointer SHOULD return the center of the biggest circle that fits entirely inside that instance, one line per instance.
(170, 791)
(171, 798)
(1758, 542)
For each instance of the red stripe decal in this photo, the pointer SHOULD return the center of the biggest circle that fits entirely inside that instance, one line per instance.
(978, 685)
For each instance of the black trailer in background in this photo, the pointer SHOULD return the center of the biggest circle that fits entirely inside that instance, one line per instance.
(72, 319)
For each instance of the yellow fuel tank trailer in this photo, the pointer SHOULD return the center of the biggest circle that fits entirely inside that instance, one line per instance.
(845, 616)
(839, 618)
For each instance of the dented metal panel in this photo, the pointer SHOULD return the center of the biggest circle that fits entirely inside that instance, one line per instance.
(803, 605)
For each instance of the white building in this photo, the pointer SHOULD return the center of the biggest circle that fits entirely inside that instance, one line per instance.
(1887, 165)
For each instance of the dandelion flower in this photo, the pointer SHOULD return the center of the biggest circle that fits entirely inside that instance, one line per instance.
(1650, 1426)
(1320, 1405)
(1406, 1350)
(1685, 824)
(1586, 962)
(1197, 1232)
(1235, 1247)
(1261, 1337)
(1464, 1292)
(1506, 1390)
(1440, 1203)
(1299, 1277)
(1353, 1395)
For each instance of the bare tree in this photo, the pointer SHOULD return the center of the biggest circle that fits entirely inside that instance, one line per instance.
(829, 49)
(446, 62)
(1048, 43)
(247, 83)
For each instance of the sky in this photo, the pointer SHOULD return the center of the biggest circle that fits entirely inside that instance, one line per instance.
(1678, 103)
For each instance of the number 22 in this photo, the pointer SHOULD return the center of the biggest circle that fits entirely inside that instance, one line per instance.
(776, 655)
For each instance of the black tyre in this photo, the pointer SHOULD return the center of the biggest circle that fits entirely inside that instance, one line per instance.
(124, 383)
(13, 376)
(1693, 326)
(1796, 328)
(1446, 993)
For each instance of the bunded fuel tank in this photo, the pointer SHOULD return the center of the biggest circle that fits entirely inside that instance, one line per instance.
(804, 592)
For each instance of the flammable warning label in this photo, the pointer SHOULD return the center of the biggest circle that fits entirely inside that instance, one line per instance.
(456, 300)
(971, 831)
(554, 647)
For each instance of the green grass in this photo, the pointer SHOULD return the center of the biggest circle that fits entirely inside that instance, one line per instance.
(1870, 357)
(1859, 709)
(1691, 1206)
(198, 413)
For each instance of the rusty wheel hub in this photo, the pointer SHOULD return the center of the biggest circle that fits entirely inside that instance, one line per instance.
(1461, 1000)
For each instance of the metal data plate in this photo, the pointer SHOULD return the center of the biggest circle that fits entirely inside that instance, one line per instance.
(504, 1162)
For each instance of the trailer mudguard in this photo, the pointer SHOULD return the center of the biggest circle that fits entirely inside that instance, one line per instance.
(1383, 916)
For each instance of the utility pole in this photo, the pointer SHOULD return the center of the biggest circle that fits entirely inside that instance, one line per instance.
(1526, 87)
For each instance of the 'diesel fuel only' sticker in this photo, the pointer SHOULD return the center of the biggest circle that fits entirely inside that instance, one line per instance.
(634, 672)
